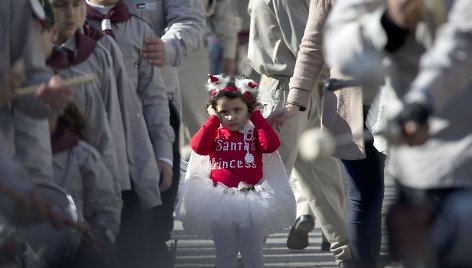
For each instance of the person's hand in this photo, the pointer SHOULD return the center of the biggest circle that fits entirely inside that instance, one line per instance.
(55, 94)
(211, 111)
(155, 51)
(9, 80)
(414, 126)
(278, 117)
(404, 13)
(32, 208)
(414, 133)
(166, 173)
(228, 66)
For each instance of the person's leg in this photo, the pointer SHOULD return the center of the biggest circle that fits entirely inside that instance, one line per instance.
(305, 221)
(450, 235)
(226, 246)
(133, 239)
(163, 219)
(216, 55)
(321, 181)
(250, 243)
(365, 182)
(272, 95)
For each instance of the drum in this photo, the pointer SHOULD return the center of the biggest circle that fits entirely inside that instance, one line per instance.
(54, 246)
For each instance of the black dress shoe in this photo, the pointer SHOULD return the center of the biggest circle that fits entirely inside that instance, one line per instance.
(298, 236)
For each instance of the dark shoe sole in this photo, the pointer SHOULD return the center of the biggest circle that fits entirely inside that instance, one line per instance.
(298, 236)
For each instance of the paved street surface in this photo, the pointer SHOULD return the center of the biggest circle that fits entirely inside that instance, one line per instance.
(192, 252)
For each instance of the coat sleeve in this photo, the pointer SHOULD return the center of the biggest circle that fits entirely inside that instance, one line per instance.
(185, 25)
(354, 39)
(203, 141)
(109, 93)
(102, 207)
(33, 146)
(153, 94)
(447, 63)
(24, 49)
(310, 59)
(268, 139)
(90, 103)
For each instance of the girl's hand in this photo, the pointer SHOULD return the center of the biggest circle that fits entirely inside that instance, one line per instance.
(211, 111)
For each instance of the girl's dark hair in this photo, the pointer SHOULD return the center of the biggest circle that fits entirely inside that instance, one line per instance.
(231, 94)
(74, 119)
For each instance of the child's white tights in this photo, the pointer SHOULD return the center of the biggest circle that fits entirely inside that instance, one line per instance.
(229, 241)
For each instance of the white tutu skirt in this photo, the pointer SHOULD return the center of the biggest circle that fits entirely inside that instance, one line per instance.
(203, 205)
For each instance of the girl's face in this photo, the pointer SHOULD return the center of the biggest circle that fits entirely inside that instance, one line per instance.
(233, 113)
(67, 14)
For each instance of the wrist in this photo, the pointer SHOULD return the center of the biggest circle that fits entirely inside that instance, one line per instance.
(416, 112)
(295, 105)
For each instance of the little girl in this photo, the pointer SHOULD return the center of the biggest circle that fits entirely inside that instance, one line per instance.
(236, 189)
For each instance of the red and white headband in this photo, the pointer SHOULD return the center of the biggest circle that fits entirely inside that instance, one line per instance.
(217, 83)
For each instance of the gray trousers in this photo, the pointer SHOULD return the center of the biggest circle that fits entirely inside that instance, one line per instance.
(319, 187)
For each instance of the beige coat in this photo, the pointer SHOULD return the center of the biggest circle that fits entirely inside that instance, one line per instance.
(342, 110)
(222, 23)
(274, 54)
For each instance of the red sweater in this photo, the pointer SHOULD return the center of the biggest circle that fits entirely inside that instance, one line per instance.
(226, 150)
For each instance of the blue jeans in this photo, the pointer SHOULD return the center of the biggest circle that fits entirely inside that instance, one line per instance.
(365, 182)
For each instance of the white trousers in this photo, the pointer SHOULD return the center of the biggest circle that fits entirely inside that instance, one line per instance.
(320, 189)
(229, 241)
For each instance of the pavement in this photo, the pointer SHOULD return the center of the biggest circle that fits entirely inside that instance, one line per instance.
(192, 252)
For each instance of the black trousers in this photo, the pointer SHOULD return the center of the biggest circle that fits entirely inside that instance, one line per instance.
(163, 216)
(143, 234)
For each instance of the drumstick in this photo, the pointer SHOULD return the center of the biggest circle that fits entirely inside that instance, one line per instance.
(66, 82)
